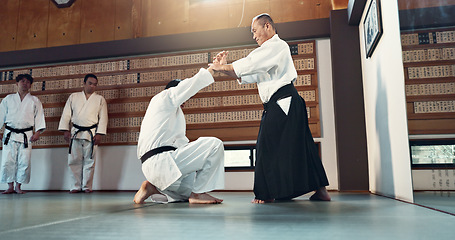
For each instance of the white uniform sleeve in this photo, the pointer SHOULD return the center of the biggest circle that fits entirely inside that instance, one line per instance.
(2, 112)
(259, 62)
(103, 118)
(40, 123)
(64, 124)
(190, 86)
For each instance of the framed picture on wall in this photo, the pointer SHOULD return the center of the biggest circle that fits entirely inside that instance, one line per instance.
(372, 27)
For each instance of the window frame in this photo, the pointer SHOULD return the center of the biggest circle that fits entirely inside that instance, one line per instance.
(431, 142)
(252, 157)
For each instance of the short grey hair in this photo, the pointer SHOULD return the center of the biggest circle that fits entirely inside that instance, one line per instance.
(264, 18)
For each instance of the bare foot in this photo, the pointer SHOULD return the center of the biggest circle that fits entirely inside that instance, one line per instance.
(75, 191)
(9, 191)
(320, 195)
(203, 198)
(259, 201)
(19, 190)
(146, 190)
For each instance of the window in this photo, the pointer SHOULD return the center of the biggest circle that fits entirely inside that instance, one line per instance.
(239, 157)
(433, 153)
(243, 157)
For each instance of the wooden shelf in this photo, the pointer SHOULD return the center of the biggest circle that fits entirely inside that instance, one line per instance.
(54, 99)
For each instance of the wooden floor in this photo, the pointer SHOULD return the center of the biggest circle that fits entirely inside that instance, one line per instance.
(443, 201)
(112, 215)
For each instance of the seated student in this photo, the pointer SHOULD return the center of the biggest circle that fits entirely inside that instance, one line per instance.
(176, 169)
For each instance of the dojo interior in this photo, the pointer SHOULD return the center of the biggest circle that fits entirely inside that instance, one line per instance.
(373, 110)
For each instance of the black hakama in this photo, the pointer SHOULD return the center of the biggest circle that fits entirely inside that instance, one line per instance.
(287, 160)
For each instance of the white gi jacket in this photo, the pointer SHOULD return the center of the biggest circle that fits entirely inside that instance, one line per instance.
(270, 66)
(21, 114)
(164, 125)
(85, 113)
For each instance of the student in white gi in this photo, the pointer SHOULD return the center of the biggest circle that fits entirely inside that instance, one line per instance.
(87, 111)
(20, 112)
(176, 169)
(287, 163)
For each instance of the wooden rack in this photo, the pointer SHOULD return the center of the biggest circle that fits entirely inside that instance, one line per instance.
(225, 109)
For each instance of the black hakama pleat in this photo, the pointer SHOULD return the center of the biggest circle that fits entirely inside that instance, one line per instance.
(287, 160)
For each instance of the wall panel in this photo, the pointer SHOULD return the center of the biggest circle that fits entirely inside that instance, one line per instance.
(136, 18)
(164, 17)
(126, 19)
(97, 21)
(32, 25)
(349, 109)
(206, 15)
(290, 10)
(323, 9)
(123, 28)
(339, 4)
(9, 18)
(252, 8)
(42, 24)
(64, 25)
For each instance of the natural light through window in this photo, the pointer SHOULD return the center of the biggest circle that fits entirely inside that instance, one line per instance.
(433, 154)
(238, 157)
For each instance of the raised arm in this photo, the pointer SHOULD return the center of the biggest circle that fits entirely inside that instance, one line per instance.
(219, 64)
(190, 86)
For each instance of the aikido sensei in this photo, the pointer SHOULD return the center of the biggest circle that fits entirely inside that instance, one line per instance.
(287, 161)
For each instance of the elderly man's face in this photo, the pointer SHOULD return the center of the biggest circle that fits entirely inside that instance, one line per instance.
(261, 33)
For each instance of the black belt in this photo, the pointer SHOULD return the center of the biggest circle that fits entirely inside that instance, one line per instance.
(266, 105)
(283, 92)
(83, 129)
(155, 151)
(23, 130)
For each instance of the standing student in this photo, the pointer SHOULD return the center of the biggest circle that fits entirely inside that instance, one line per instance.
(175, 168)
(87, 111)
(288, 164)
(20, 112)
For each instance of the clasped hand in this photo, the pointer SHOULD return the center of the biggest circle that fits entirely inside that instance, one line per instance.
(218, 61)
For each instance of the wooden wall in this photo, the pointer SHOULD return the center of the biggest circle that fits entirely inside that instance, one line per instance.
(29, 24)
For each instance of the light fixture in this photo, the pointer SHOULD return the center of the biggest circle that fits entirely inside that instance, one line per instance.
(63, 3)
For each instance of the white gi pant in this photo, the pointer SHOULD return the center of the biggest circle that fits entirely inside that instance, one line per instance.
(201, 163)
(81, 164)
(16, 162)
